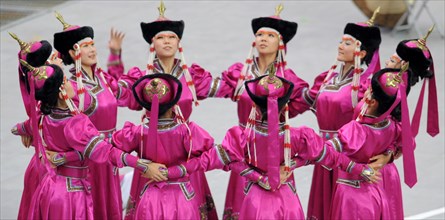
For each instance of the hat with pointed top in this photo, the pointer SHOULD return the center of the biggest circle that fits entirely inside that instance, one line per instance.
(150, 29)
(287, 29)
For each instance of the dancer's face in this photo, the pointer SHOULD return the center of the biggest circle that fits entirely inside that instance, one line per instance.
(266, 42)
(166, 45)
(393, 62)
(88, 53)
(346, 49)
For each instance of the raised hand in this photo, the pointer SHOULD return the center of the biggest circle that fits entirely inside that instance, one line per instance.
(115, 42)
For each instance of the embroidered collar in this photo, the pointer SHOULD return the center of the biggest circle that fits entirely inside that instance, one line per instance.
(176, 69)
(85, 77)
(256, 68)
(261, 127)
(58, 113)
(380, 124)
(165, 124)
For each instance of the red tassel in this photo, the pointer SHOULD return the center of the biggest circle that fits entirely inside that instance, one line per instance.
(190, 83)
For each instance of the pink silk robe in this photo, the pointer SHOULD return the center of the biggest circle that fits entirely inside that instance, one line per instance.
(333, 109)
(64, 192)
(202, 80)
(101, 107)
(175, 198)
(360, 142)
(282, 203)
(34, 173)
(225, 88)
(393, 189)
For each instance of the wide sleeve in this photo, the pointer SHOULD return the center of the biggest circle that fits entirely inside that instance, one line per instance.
(22, 129)
(202, 80)
(297, 104)
(81, 135)
(115, 66)
(201, 140)
(126, 82)
(310, 94)
(219, 156)
(350, 139)
(224, 86)
(128, 138)
(311, 146)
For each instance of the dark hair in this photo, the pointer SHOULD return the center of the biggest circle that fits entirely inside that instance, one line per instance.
(385, 101)
(369, 53)
(66, 58)
(49, 93)
(418, 74)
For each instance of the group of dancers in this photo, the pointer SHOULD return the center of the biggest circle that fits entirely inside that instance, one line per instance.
(361, 110)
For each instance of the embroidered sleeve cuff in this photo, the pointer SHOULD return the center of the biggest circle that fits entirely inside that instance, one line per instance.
(129, 160)
(142, 165)
(19, 129)
(367, 173)
(176, 172)
(390, 152)
(251, 174)
(58, 159)
(214, 86)
(72, 156)
(309, 100)
(264, 183)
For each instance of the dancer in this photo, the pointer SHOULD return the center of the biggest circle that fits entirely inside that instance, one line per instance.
(164, 37)
(264, 145)
(98, 95)
(168, 140)
(36, 54)
(64, 192)
(271, 37)
(373, 133)
(338, 94)
(416, 52)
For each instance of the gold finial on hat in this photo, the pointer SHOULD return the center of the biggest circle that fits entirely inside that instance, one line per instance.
(404, 68)
(422, 41)
(36, 71)
(272, 70)
(24, 47)
(60, 18)
(156, 87)
(371, 21)
(396, 79)
(279, 9)
(271, 79)
(162, 9)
